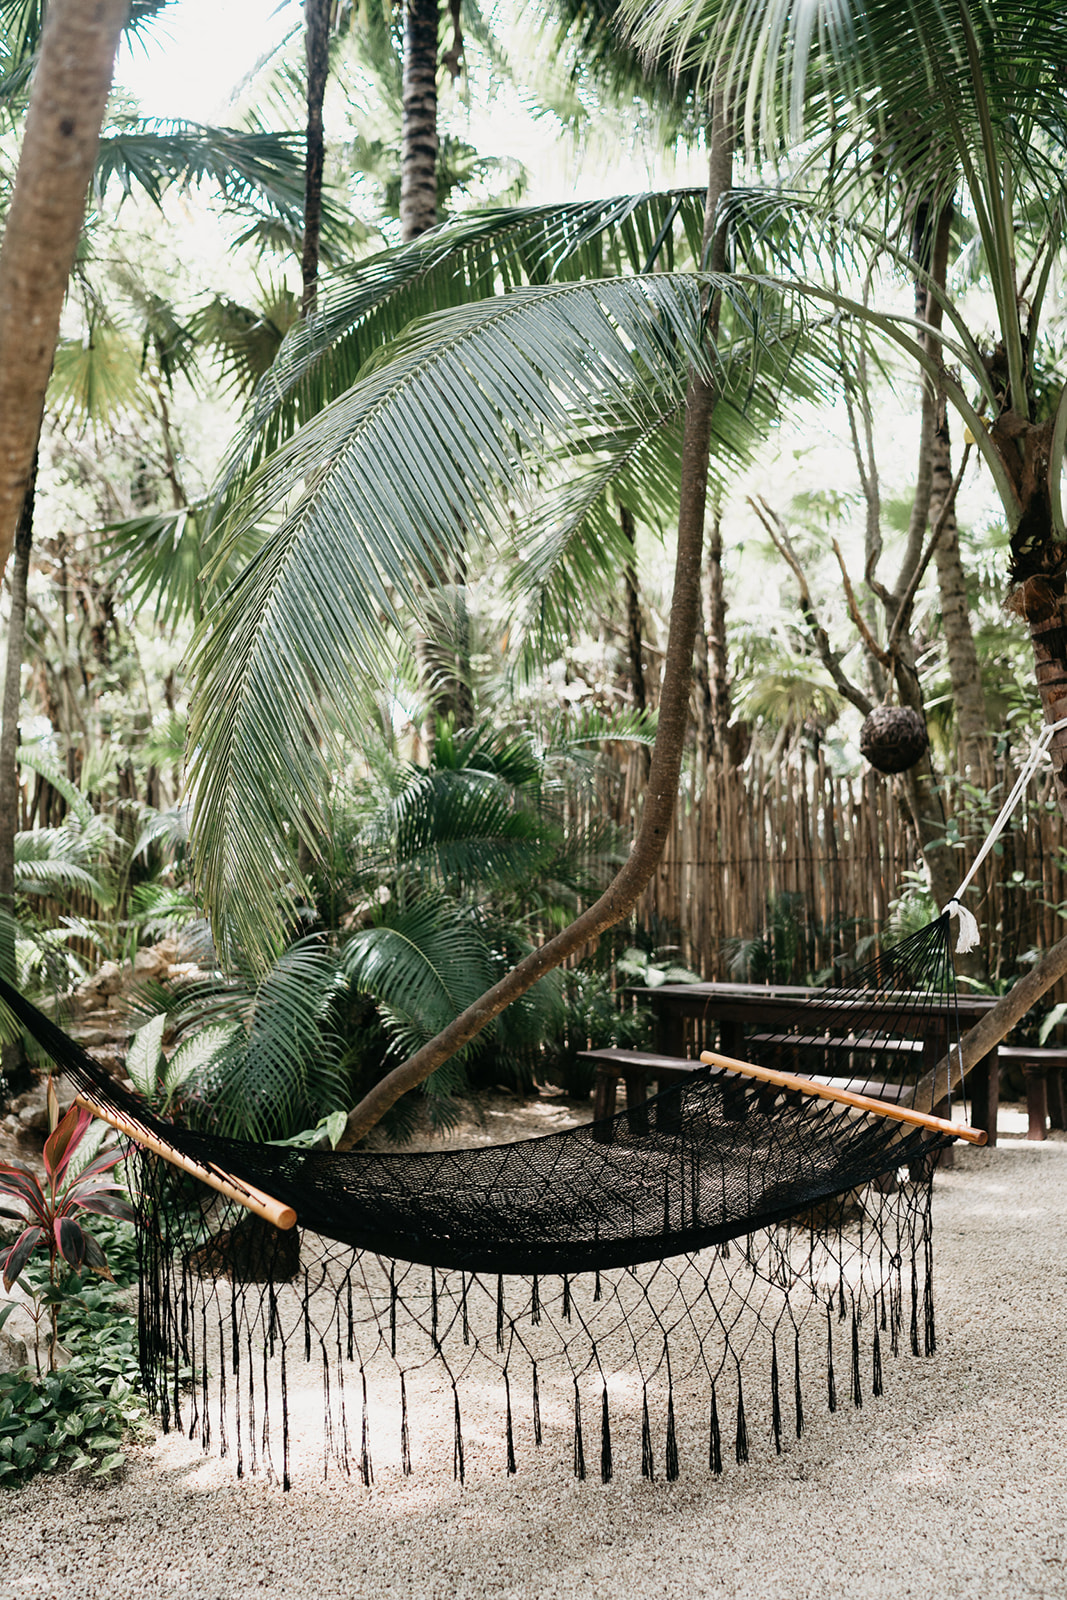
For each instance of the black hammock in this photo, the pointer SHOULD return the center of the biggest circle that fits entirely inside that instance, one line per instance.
(705, 1162)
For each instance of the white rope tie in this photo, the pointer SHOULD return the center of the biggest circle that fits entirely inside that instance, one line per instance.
(967, 938)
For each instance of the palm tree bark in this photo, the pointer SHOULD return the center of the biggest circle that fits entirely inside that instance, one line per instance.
(44, 222)
(12, 1056)
(622, 895)
(932, 249)
(317, 46)
(418, 131)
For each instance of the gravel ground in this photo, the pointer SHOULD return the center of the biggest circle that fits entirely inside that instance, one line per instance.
(953, 1484)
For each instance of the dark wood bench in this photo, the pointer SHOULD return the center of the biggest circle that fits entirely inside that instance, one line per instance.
(1043, 1067)
(636, 1068)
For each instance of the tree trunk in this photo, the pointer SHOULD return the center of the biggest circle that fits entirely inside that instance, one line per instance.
(11, 1058)
(960, 652)
(317, 45)
(930, 247)
(994, 1026)
(44, 223)
(719, 671)
(418, 129)
(635, 647)
(622, 895)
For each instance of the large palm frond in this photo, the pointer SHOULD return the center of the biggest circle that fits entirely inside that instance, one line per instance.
(365, 307)
(368, 502)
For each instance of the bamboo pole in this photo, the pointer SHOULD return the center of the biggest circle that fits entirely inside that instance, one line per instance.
(845, 1097)
(254, 1200)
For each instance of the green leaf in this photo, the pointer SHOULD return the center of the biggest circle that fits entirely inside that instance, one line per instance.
(144, 1056)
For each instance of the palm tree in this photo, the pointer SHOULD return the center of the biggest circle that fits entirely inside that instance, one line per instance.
(966, 97)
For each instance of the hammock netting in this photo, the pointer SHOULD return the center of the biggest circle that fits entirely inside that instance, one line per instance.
(727, 1244)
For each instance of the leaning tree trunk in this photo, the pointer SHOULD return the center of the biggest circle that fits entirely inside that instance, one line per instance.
(418, 130)
(622, 895)
(44, 223)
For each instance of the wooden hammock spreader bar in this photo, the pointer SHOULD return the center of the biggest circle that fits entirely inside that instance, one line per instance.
(245, 1194)
(845, 1097)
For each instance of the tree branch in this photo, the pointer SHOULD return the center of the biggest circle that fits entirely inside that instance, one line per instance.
(883, 657)
(779, 537)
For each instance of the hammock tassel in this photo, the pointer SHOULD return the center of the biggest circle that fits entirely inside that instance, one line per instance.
(741, 1442)
(366, 1466)
(536, 1407)
(606, 1469)
(285, 1427)
(798, 1403)
(876, 1375)
(857, 1388)
(672, 1440)
(392, 1308)
(776, 1406)
(968, 936)
(579, 1443)
(458, 1468)
(499, 1312)
(715, 1438)
(929, 1331)
(831, 1386)
(405, 1436)
(510, 1432)
(535, 1302)
(647, 1468)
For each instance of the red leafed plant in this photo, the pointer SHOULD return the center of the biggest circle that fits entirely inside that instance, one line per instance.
(51, 1210)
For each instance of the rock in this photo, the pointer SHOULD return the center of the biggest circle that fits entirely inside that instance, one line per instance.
(150, 963)
(13, 1353)
(27, 1333)
(107, 980)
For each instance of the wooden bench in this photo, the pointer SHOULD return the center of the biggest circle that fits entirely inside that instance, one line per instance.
(1043, 1067)
(636, 1068)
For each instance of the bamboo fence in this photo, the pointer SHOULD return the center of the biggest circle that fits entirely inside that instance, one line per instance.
(844, 849)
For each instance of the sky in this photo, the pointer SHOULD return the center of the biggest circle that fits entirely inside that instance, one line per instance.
(199, 51)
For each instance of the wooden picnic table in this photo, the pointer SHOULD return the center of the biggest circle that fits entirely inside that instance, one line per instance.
(690, 1017)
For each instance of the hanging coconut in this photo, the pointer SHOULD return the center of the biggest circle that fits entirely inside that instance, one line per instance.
(893, 738)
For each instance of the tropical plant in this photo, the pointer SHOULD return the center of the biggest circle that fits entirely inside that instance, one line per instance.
(80, 1417)
(52, 1210)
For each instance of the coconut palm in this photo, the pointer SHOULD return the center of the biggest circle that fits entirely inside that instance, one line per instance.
(960, 99)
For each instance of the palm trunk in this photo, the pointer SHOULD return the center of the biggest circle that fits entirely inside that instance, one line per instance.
(44, 222)
(658, 809)
(961, 655)
(718, 661)
(11, 1057)
(317, 44)
(418, 132)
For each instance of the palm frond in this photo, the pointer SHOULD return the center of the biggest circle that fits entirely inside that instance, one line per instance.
(368, 502)
(273, 1066)
(422, 965)
(368, 305)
